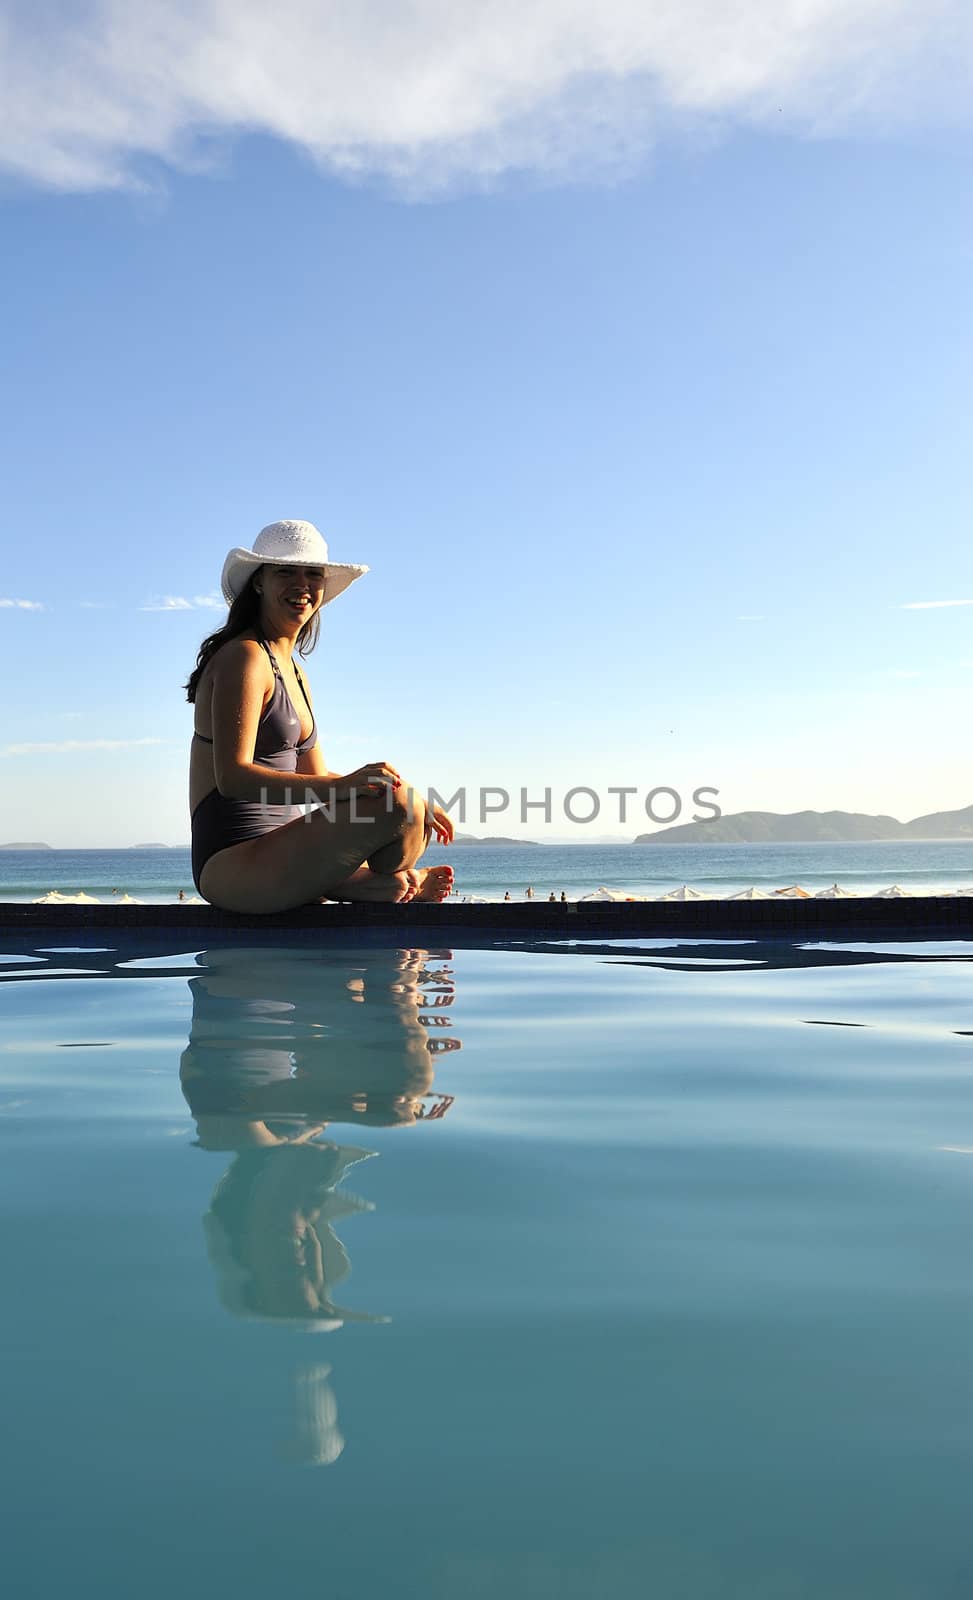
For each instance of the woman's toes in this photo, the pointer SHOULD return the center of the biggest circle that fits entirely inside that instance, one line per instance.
(437, 883)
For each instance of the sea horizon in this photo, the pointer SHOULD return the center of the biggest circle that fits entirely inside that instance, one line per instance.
(490, 871)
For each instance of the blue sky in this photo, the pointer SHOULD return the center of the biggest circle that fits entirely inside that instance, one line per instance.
(647, 403)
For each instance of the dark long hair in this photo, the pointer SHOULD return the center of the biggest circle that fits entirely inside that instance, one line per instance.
(244, 617)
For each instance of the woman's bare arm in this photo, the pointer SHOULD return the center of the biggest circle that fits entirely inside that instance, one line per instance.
(242, 676)
(312, 763)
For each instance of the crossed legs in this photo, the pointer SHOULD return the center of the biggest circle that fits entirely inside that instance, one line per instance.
(330, 855)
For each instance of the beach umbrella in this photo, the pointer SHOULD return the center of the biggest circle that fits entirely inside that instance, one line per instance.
(795, 892)
(893, 892)
(685, 893)
(835, 893)
(604, 894)
(751, 894)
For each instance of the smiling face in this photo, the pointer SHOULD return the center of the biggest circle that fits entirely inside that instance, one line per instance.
(290, 595)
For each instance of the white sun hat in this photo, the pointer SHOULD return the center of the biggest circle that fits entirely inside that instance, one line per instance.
(285, 544)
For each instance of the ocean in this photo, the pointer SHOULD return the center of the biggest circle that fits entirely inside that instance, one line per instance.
(491, 871)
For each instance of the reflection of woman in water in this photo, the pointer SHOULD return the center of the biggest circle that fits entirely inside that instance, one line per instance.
(282, 1043)
(269, 1233)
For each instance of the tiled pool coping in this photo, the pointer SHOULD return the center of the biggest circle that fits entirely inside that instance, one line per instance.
(907, 919)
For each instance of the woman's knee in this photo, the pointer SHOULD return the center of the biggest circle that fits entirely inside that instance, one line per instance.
(408, 808)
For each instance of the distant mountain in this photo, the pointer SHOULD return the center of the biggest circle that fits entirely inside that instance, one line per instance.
(470, 838)
(813, 827)
(942, 825)
(151, 846)
(33, 846)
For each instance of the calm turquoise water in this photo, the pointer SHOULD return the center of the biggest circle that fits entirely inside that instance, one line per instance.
(493, 870)
(667, 1292)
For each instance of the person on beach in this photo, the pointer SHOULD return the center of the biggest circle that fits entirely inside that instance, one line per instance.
(255, 754)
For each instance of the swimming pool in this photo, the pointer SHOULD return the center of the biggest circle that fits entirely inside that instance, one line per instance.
(651, 1276)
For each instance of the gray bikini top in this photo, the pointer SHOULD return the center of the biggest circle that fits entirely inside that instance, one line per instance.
(279, 730)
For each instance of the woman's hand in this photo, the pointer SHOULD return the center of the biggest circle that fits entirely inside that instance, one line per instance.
(440, 824)
(375, 777)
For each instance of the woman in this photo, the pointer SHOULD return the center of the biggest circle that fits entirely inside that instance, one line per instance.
(255, 749)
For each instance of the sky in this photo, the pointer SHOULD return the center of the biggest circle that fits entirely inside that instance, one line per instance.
(629, 348)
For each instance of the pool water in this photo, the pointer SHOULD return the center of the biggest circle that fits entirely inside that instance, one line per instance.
(638, 1269)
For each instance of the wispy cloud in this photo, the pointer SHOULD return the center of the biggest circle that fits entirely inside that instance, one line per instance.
(933, 605)
(432, 93)
(755, 616)
(169, 602)
(21, 605)
(60, 747)
(178, 602)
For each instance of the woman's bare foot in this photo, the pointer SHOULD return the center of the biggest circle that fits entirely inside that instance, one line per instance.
(430, 883)
(364, 884)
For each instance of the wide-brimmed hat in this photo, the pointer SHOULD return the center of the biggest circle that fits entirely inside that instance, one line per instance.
(284, 544)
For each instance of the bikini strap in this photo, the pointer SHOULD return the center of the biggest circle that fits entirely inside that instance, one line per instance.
(300, 678)
(297, 673)
(273, 658)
